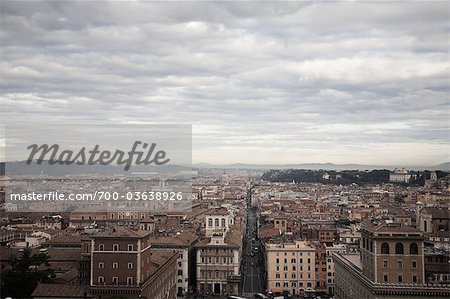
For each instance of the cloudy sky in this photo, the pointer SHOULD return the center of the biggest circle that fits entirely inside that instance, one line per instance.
(260, 82)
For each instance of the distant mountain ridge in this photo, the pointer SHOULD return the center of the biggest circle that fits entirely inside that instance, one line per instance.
(22, 168)
(324, 166)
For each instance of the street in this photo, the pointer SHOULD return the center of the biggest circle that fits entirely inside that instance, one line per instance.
(253, 272)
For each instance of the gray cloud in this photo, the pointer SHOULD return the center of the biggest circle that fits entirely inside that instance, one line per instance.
(276, 83)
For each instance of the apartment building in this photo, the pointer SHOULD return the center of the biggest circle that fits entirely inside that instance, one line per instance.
(290, 267)
(217, 262)
(337, 248)
(123, 265)
(391, 265)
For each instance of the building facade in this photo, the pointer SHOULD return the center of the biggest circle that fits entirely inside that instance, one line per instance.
(123, 265)
(290, 267)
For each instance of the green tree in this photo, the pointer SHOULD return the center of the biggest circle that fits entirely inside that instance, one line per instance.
(25, 273)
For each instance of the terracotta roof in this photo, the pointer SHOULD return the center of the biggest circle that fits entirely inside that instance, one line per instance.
(64, 254)
(184, 239)
(59, 291)
(121, 232)
(218, 211)
(388, 228)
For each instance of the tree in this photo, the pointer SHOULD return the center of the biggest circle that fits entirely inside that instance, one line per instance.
(25, 274)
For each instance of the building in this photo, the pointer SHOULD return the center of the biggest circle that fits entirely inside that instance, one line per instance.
(217, 262)
(400, 176)
(123, 264)
(391, 265)
(290, 267)
(433, 220)
(330, 264)
(392, 253)
(218, 220)
(183, 243)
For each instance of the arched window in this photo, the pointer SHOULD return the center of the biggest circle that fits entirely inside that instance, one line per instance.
(223, 222)
(216, 222)
(413, 248)
(210, 222)
(384, 248)
(399, 248)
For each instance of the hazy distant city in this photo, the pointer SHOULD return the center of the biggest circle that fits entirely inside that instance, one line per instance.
(292, 150)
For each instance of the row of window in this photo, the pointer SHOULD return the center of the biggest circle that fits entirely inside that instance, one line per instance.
(115, 265)
(294, 275)
(294, 252)
(399, 278)
(115, 247)
(294, 268)
(218, 260)
(115, 280)
(293, 261)
(413, 248)
(293, 284)
(216, 222)
(215, 274)
(399, 264)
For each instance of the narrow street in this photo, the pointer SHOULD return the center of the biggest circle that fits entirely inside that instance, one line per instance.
(253, 272)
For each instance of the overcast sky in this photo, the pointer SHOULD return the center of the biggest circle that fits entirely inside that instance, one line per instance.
(260, 82)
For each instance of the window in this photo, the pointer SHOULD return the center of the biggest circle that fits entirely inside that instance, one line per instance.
(400, 278)
(414, 264)
(129, 280)
(385, 264)
(223, 222)
(115, 280)
(101, 247)
(130, 247)
(384, 248)
(413, 248)
(101, 279)
(210, 222)
(414, 279)
(115, 265)
(385, 278)
(216, 222)
(399, 248)
(101, 265)
(399, 264)
(130, 265)
(115, 247)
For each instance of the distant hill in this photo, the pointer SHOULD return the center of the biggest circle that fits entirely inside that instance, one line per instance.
(324, 166)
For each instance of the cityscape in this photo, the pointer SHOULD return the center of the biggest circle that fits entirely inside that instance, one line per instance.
(224, 149)
(243, 237)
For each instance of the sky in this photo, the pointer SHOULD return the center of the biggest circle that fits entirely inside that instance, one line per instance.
(260, 82)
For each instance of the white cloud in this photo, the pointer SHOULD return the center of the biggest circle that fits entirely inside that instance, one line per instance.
(311, 82)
